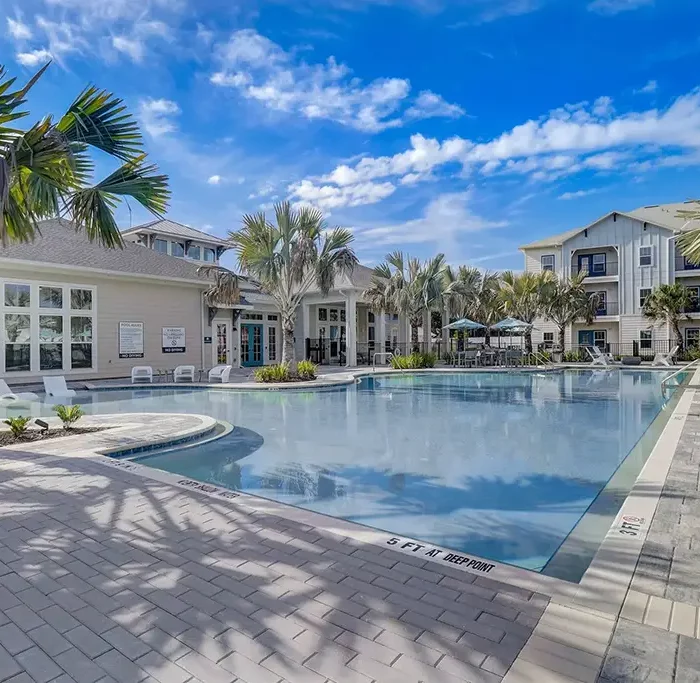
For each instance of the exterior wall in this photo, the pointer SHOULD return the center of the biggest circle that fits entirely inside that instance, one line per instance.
(533, 259)
(156, 304)
(612, 331)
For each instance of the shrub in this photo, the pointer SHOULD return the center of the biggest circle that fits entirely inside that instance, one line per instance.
(69, 415)
(18, 426)
(306, 370)
(273, 373)
(414, 361)
(574, 356)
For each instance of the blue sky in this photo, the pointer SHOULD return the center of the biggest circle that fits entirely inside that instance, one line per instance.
(462, 126)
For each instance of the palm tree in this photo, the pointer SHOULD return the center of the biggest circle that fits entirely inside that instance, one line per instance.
(566, 301)
(46, 170)
(408, 287)
(524, 297)
(472, 293)
(689, 241)
(224, 288)
(668, 304)
(291, 257)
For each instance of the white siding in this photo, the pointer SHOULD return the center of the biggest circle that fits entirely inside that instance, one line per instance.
(533, 259)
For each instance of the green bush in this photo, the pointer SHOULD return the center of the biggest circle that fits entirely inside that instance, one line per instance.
(575, 356)
(273, 373)
(306, 370)
(69, 415)
(414, 361)
(18, 426)
(693, 353)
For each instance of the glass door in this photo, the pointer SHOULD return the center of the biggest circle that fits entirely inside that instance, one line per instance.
(222, 351)
(251, 345)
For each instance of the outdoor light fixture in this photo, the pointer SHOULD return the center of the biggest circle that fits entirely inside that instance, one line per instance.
(41, 423)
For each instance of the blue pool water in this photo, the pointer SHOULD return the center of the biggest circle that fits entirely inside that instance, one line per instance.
(497, 465)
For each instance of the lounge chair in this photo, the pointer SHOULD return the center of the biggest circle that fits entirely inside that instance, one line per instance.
(184, 373)
(142, 374)
(220, 373)
(56, 387)
(9, 398)
(598, 357)
(665, 359)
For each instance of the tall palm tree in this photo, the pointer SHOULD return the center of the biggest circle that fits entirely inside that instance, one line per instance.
(566, 301)
(46, 170)
(224, 287)
(524, 297)
(472, 293)
(290, 257)
(689, 241)
(667, 304)
(408, 287)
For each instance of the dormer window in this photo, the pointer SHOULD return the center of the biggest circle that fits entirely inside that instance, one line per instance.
(161, 246)
(194, 252)
(177, 249)
(209, 255)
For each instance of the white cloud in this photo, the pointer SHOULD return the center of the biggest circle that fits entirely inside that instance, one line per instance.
(214, 179)
(17, 29)
(34, 58)
(156, 116)
(262, 70)
(617, 6)
(135, 49)
(567, 196)
(651, 87)
(329, 196)
(568, 140)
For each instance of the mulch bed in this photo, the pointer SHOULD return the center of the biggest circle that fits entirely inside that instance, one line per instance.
(6, 439)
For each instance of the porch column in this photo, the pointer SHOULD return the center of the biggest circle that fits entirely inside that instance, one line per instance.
(351, 330)
(380, 334)
(237, 333)
(305, 324)
(445, 333)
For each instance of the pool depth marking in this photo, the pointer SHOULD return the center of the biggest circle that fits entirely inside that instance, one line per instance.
(440, 555)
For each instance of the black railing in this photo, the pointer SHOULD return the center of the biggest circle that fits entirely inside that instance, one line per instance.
(646, 350)
(608, 308)
(682, 263)
(693, 308)
(326, 351)
(597, 270)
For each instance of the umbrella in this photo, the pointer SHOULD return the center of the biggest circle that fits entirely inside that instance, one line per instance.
(464, 324)
(511, 325)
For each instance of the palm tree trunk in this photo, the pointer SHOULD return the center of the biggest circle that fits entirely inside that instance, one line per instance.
(562, 337)
(528, 341)
(487, 337)
(288, 355)
(414, 335)
(678, 333)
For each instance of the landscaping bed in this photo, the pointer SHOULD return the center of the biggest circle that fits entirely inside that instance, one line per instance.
(7, 439)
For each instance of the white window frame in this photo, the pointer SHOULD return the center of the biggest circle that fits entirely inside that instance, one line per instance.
(167, 245)
(544, 267)
(696, 341)
(649, 339)
(639, 298)
(34, 311)
(650, 256)
(548, 343)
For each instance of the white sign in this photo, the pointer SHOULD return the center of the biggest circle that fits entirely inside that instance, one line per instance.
(173, 340)
(130, 340)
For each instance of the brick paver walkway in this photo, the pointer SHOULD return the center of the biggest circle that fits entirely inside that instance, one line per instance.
(107, 576)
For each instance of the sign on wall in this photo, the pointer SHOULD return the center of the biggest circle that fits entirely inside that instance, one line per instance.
(173, 340)
(130, 340)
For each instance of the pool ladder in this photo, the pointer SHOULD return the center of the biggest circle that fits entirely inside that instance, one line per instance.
(678, 372)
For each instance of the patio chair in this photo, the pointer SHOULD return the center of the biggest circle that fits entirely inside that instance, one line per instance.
(9, 398)
(220, 373)
(598, 357)
(56, 387)
(514, 357)
(142, 374)
(665, 359)
(184, 373)
(469, 358)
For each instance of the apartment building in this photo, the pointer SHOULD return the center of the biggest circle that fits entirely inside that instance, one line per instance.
(625, 255)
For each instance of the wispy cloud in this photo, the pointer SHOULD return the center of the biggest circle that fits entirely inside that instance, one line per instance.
(157, 116)
(651, 87)
(34, 58)
(612, 7)
(17, 29)
(261, 70)
(579, 194)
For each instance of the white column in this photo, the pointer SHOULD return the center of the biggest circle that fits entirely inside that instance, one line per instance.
(445, 332)
(305, 324)
(238, 342)
(380, 333)
(351, 330)
(427, 330)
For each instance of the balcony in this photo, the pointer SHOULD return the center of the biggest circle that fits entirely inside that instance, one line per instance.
(693, 308)
(608, 308)
(608, 269)
(683, 264)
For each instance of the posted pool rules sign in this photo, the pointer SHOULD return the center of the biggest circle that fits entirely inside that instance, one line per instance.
(173, 340)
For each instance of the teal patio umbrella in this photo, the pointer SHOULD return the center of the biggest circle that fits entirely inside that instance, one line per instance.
(511, 325)
(464, 324)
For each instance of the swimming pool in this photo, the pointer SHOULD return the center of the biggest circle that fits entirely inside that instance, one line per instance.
(500, 465)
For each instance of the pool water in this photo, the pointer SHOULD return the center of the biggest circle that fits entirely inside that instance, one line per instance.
(500, 465)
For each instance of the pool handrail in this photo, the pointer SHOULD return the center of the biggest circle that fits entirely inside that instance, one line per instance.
(388, 354)
(678, 372)
(541, 358)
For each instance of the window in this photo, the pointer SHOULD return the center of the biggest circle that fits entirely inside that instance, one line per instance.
(547, 262)
(598, 264)
(194, 253)
(272, 343)
(645, 338)
(252, 316)
(273, 318)
(50, 342)
(600, 338)
(644, 292)
(17, 296)
(209, 255)
(692, 337)
(323, 314)
(370, 334)
(334, 315)
(17, 342)
(370, 318)
(342, 315)
(81, 300)
(81, 342)
(602, 302)
(50, 297)
(548, 340)
(645, 256)
(694, 294)
(161, 246)
(177, 249)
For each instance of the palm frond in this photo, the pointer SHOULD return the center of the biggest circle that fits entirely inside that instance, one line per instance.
(225, 288)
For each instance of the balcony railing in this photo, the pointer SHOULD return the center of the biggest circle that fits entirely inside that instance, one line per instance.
(693, 308)
(682, 263)
(608, 308)
(599, 270)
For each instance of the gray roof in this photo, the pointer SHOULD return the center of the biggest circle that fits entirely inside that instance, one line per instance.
(165, 226)
(663, 215)
(62, 245)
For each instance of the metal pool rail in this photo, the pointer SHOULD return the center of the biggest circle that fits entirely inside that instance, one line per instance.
(678, 372)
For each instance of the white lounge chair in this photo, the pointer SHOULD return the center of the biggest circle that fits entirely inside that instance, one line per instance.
(56, 387)
(220, 373)
(184, 373)
(598, 357)
(9, 398)
(142, 374)
(665, 359)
